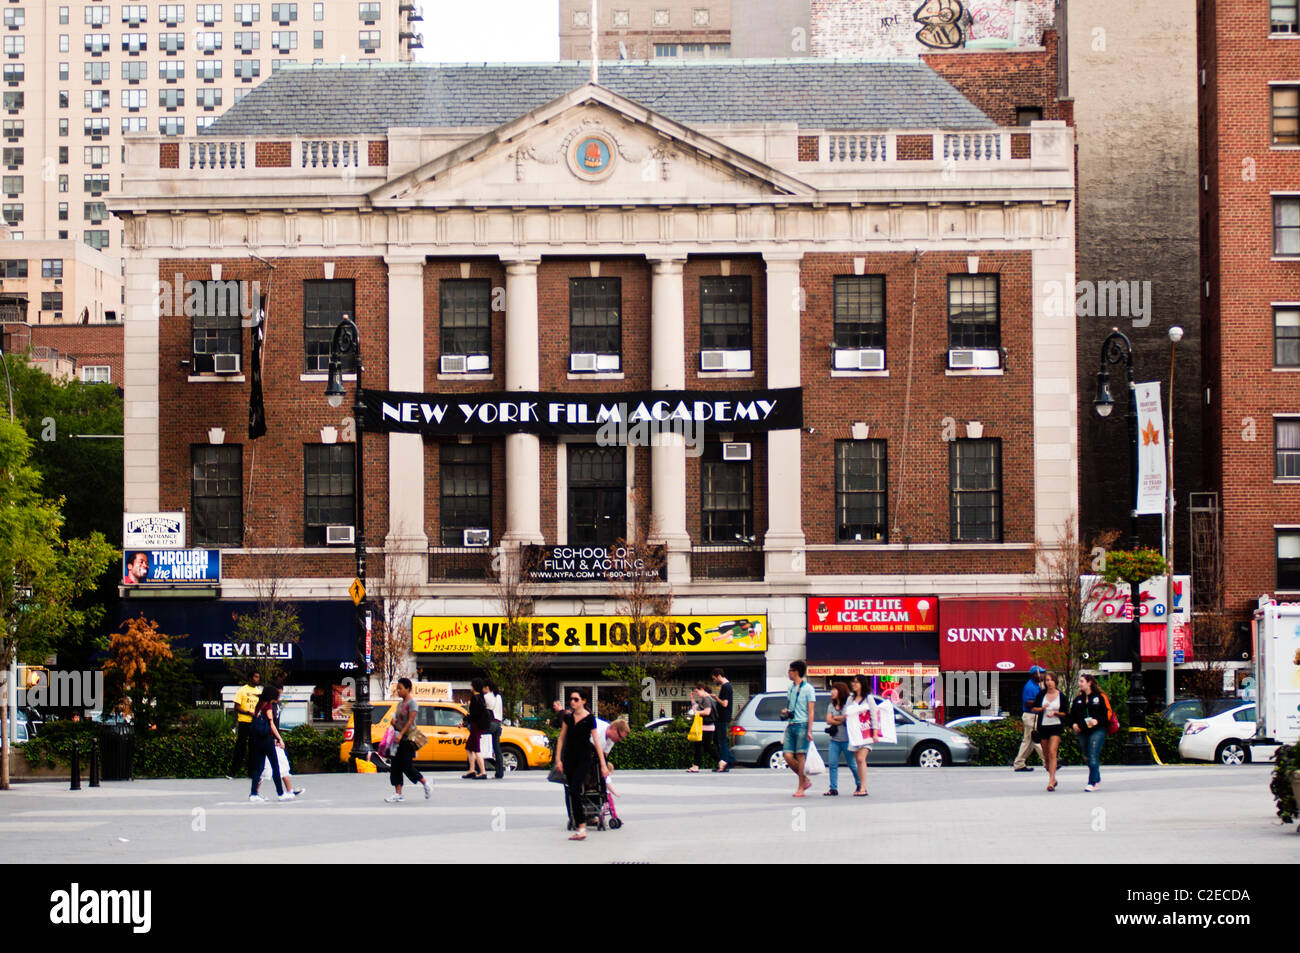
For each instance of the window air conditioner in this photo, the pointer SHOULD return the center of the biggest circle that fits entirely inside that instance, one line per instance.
(728, 360)
(736, 451)
(478, 537)
(338, 536)
(453, 364)
(477, 362)
(859, 359)
(582, 362)
(974, 358)
(225, 363)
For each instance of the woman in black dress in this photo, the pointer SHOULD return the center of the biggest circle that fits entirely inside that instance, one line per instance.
(480, 721)
(576, 746)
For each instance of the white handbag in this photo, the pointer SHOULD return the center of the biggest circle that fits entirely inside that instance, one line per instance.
(485, 746)
(813, 763)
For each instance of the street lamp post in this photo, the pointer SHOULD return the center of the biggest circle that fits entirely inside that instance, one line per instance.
(1118, 349)
(1175, 335)
(347, 340)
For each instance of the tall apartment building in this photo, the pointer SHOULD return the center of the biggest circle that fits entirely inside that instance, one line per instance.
(1250, 259)
(77, 77)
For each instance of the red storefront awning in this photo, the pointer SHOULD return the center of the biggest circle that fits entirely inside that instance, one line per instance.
(992, 635)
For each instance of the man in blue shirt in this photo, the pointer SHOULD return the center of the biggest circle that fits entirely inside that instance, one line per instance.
(798, 712)
(1028, 718)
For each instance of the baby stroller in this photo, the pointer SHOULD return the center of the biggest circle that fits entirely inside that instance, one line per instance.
(597, 803)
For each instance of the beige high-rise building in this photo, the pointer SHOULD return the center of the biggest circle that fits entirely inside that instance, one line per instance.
(76, 76)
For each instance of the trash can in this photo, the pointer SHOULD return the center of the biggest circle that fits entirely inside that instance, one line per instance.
(117, 752)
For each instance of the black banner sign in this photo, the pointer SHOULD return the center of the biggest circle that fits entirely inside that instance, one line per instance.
(594, 563)
(506, 412)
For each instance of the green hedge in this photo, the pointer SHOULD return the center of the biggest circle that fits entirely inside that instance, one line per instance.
(1288, 761)
(998, 742)
(648, 750)
(199, 748)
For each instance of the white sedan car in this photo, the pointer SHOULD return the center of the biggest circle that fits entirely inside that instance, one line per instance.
(1224, 738)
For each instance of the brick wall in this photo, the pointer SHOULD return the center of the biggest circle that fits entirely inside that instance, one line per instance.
(915, 147)
(377, 152)
(295, 409)
(275, 155)
(1245, 391)
(1000, 81)
(88, 343)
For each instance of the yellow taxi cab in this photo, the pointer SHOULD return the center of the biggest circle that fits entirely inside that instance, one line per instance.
(440, 721)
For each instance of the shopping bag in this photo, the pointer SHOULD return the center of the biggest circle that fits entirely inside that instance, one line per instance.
(485, 746)
(388, 743)
(267, 775)
(697, 729)
(813, 763)
(888, 727)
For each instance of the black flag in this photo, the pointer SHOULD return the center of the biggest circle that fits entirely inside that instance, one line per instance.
(256, 410)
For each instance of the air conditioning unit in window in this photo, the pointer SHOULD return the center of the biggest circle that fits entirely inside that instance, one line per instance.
(339, 536)
(582, 362)
(728, 360)
(225, 363)
(478, 537)
(736, 451)
(453, 364)
(961, 358)
(859, 359)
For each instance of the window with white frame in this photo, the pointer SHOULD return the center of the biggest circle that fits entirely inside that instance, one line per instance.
(96, 238)
(95, 99)
(171, 70)
(51, 267)
(172, 14)
(171, 126)
(97, 16)
(171, 43)
(368, 12)
(207, 41)
(97, 43)
(96, 155)
(1286, 225)
(1286, 336)
(12, 184)
(283, 13)
(208, 13)
(15, 45)
(171, 98)
(135, 14)
(15, 17)
(135, 43)
(208, 70)
(248, 69)
(248, 13)
(96, 374)
(368, 40)
(132, 71)
(135, 124)
(284, 40)
(1286, 448)
(1284, 17)
(208, 98)
(247, 40)
(135, 99)
(95, 182)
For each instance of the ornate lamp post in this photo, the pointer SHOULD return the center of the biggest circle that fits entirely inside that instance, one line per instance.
(1118, 349)
(347, 340)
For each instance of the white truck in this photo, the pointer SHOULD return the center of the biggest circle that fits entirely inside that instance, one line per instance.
(1277, 673)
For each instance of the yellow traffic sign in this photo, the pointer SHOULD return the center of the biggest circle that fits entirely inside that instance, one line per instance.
(357, 591)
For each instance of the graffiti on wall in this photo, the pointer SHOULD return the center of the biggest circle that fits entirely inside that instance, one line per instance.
(941, 22)
(906, 28)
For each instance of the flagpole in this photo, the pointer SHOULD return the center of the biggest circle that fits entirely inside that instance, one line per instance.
(595, 55)
(1175, 335)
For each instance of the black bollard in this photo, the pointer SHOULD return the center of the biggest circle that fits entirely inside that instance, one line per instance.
(94, 762)
(76, 767)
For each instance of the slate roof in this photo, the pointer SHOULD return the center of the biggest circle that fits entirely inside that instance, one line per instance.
(366, 99)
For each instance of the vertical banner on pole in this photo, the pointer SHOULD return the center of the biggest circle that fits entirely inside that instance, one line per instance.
(369, 630)
(1151, 450)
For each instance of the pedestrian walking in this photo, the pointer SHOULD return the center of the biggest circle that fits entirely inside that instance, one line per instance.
(1028, 719)
(1089, 713)
(722, 712)
(575, 749)
(480, 724)
(837, 731)
(1048, 706)
(241, 761)
(862, 719)
(265, 739)
(493, 700)
(798, 712)
(404, 727)
(706, 751)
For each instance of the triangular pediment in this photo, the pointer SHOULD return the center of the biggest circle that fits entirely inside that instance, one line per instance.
(590, 146)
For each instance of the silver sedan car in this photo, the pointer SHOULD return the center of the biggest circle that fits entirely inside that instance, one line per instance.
(758, 730)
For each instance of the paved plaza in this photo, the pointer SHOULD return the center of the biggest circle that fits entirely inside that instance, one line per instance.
(1176, 814)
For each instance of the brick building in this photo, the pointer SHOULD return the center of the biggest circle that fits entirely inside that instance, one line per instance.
(856, 293)
(1250, 213)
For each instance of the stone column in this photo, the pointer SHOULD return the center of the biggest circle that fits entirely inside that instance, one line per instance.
(784, 541)
(140, 384)
(668, 453)
(407, 544)
(523, 451)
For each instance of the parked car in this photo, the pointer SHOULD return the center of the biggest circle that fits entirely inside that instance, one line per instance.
(1185, 708)
(758, 730)
(659, 724)
(1223, 738)
(976, 720)
(521, 748)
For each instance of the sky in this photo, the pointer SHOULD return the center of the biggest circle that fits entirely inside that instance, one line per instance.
(496, 31)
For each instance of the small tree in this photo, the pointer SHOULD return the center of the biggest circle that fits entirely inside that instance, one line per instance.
(1064, 607)
(512, 666)
(396, 595)
(273, 622)
(643, 598)
(1214, 626)
(143, 677)
(41, 574)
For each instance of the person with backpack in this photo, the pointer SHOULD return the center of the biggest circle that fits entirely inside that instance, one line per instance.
(265, 737)
(1090, 715)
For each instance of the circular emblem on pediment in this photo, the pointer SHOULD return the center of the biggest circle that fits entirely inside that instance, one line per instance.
(591, 155)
